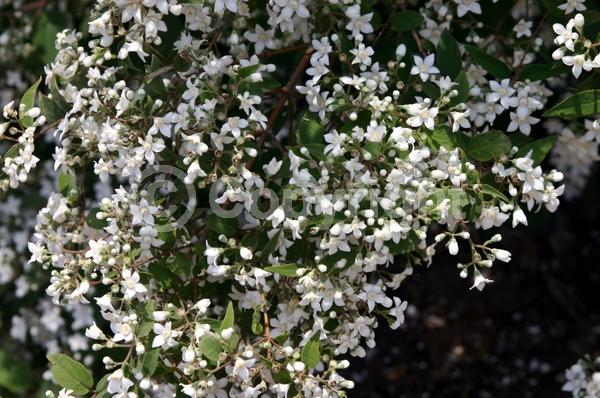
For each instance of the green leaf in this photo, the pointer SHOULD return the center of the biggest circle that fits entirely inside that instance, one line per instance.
(493, 192)
(101, 387)
(271, 245)
(248, 70)
(44, 36)
(181, 264)
(15, 375)
(539, 148)
(490, 63)
(221, 225)
(552, 7)
(147, 320)
(70, 374)
(257, 326)
(283, 376)
(162, 274)
(54, 106)
(229, 318)
(536, 72)
(374, 148)
(155, 88)
(462, 88)
(443, 136)
(448, 59)
(51, 109)
(340, 261)
(490, 145)
(27, 102)
(311, 353)
(405, 21)
(316, 151)
(210, 347)
(150, 361)
(66, 183)
(457, 197)
(582, 104)
(404, 246)
(288, 270)
(309, 130)
(93, 222)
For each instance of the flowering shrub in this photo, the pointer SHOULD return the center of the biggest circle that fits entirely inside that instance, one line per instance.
(242, 186)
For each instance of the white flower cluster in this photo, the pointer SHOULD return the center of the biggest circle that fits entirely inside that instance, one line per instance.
(583, 379)
(17, 167)
(317, 160)
(576, 154)
(575, 50)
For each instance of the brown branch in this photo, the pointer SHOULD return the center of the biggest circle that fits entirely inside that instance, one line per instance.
(403, 6)
(270, 53)
(520, 66)
(280, 104)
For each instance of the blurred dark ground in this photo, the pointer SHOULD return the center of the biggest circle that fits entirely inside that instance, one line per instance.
(516, 337)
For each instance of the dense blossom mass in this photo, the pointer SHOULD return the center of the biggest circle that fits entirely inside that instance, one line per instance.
(243, 186)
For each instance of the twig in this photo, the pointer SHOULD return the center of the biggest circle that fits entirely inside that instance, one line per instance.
(519, 67)
(402, 5)
(285, 96)
(270, 53)
(150, 76)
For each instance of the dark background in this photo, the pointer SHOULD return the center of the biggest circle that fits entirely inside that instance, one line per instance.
(517, 336)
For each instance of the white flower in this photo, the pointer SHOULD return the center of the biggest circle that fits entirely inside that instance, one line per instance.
(579, 63)
(400, 51)
(165, 337)
(502, 255)
(521, 122)
(358, 24)
(372, 294)
(465, 6)
(375, 133)
(421, 114)
(222, 5)
(502, 92)
(518, 217)
(130, 284)
(492, 217)
(37, 251)
(566, 36)
(245, 253)
(95, 250)
(398, 312)
(202, 306)
(241, 368)
(130, 10)
(261, 38)
(291, 7)
(576, 379)
(334, 141)
(64, 393)
(362, 55)
(94, 332)
(453, 246)
(573, 5)
(460, 120)
(424, 67)
(480, 281)
(118, 383)
(523, 28)
(133, 47)
(273, 166)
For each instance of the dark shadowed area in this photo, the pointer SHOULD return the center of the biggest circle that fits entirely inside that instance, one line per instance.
(514, 339)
